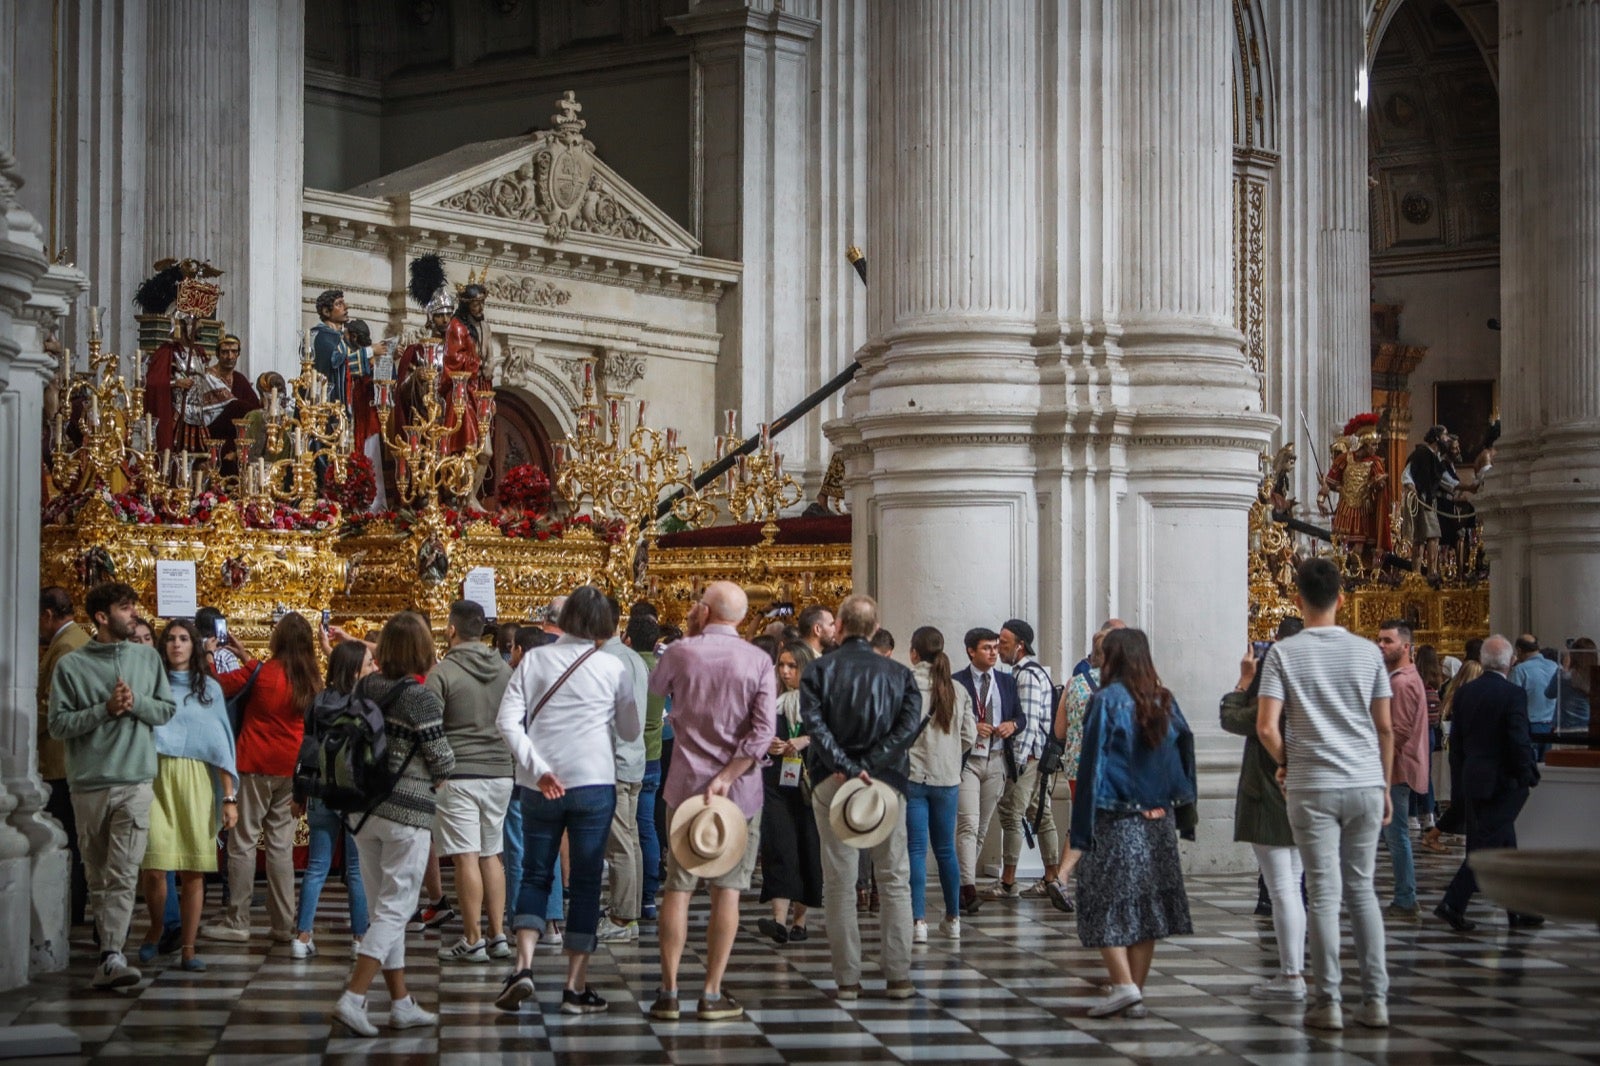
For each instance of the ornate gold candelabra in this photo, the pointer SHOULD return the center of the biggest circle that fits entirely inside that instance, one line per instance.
(756, 489)
(310, 429)
(424, 468)
(618, 474)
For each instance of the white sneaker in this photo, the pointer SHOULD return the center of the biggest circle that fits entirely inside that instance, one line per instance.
(302, 949)
(1414, 824)
(351, 1012)
(551, 935)
(230, 933)
(114, 972)
(500, 948)
(461, 951)
(919, 932)
(998, 889)
(405, 1014)
(1038, 888)
(1281, 987)
(1121, 998)
(950, 927)
(608, 930)
(1374, 1014)
(1324, 1015)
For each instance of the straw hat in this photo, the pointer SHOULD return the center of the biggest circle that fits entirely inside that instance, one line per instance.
(707, 839)
(863, 815)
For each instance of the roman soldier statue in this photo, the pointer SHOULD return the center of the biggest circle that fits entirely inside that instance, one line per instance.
(431, 291)
(465, 361)
(1358, 476)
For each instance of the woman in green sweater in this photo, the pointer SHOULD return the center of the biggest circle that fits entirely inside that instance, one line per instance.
(1261, 819)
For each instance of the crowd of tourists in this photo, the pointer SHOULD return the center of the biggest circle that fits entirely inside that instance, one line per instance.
(588, 773)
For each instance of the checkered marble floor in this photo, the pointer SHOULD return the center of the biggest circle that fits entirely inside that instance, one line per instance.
(1016, 987)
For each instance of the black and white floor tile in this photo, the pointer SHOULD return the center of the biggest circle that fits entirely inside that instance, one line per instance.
(1015, 988)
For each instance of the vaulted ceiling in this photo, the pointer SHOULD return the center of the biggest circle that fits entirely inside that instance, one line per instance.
(1434, 148)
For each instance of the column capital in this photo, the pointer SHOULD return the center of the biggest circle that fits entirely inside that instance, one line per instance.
(709, 30)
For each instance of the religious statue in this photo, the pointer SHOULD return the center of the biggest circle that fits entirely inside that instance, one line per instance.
(1358, 476)
(464, 359)
(330, 354)
(244, 401)
(180, 392)
(1281, 484)
(365, 412)
(431, 291)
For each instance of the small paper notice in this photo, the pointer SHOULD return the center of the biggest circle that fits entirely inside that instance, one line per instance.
(479, 588)
(176, 595)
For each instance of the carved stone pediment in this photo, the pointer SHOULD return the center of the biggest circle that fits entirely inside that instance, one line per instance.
(551, 180)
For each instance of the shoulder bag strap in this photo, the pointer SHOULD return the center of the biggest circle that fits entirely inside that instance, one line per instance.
(527, 723)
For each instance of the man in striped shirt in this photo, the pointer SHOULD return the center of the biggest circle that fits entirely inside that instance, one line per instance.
(1335, 752)
(1034, 692)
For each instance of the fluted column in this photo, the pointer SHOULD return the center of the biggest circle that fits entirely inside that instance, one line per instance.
(940, 423)
(1344, 243)
(1542, 505)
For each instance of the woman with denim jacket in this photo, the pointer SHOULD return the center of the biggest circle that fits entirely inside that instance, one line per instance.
(1136, 794)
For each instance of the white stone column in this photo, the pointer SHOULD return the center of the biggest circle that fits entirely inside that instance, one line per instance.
(22, 262)
(1542, 506)
(940, 422)
(753, 201)
(178, 131)
(225, 117)
(1197, 425)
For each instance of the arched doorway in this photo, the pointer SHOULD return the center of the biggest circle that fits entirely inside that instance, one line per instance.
(520, 437)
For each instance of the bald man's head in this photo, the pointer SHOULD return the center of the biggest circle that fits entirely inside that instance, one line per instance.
(726, 602)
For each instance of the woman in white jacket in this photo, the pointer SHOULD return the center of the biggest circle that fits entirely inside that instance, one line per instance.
(557, 717)
(934, 784)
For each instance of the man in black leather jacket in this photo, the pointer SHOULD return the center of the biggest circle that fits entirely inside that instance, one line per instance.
(862, 712)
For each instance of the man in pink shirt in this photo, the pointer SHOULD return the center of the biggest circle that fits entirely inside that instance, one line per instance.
(1409, 712)
(724, 712)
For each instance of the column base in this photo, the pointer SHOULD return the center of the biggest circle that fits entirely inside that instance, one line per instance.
(16, 884)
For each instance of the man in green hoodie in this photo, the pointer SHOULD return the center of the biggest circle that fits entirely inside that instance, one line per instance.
(469, 826)
(106, 699)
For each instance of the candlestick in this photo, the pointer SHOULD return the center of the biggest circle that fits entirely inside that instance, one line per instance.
(641, 413)
(765, 440)
(731, 417)
(672, 439)
(95, 314)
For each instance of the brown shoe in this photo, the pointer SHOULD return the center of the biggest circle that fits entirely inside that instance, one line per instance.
(900, 990)
(847, 993)
(721, 1009)
(665, 1008)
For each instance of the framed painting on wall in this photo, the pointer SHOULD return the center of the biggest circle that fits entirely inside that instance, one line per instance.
(1466, 408)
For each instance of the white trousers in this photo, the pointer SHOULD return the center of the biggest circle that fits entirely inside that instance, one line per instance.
(393, 859)
(1281, 869)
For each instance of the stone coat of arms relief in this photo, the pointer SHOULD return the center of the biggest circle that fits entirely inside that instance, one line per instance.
(559, 187)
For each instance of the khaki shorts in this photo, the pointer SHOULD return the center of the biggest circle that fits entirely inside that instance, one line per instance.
(471, 816)
(738, 878)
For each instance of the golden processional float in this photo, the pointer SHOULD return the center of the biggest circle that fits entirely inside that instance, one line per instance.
(287, 533)
(1445, 609)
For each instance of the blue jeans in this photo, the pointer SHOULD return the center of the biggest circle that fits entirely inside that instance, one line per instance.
(584, 815)
(931, 813)
(1397, 835)
(325, 826)
(511, 856)
(649, 842)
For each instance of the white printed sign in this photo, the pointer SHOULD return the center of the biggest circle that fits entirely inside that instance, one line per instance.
(176, 594)
(479, 588)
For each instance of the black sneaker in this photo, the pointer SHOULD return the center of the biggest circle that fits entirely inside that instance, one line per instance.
(431, 916)
(585, 1002)
(773, 931)
(518, 987)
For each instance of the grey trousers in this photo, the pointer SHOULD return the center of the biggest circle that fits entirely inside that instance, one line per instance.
(1017, 804)
(839, 864)
(1337, 831)
(624, 853)
(113, 827)
(263, 814)
(983, 783)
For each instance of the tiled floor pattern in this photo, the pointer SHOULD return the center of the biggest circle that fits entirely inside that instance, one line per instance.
(1016, 987)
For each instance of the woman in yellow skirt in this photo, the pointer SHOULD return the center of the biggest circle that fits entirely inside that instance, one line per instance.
(194, 790)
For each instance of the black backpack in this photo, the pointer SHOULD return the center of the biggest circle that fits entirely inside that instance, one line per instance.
(344, 758)
(1053, 758)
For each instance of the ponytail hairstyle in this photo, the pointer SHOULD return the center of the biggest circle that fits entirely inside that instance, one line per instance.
(1127, 653)
(928, 643)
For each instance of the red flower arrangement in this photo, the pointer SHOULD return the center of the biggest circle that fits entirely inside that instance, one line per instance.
(358, 489)
(525, 488)
(288, 518)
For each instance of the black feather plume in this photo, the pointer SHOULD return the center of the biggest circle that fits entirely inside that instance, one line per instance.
(427, 276)
(1492, 435)
(158, 292)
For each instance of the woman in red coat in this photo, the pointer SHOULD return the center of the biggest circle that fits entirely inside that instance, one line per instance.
(270, 731)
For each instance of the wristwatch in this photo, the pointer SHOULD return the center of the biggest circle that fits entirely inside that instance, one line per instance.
(231, 799)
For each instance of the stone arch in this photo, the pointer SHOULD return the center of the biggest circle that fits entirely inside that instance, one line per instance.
(1255, 109)
(1480, 17)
